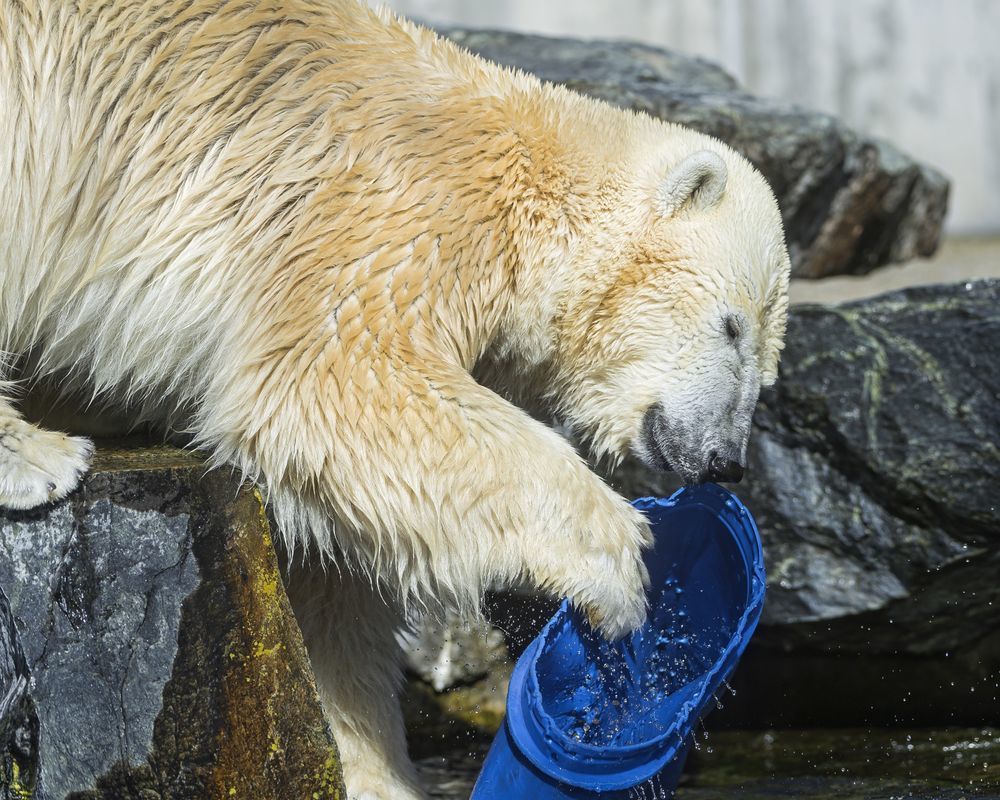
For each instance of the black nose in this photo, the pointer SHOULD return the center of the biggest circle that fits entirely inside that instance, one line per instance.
(723, 470)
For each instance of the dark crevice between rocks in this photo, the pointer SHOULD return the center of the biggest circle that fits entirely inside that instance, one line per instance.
(123, 768)
(18, 720)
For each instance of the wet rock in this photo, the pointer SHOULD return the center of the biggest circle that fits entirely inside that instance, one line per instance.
(873, 475)
(163, 657)
(850, 203)
(454, 652)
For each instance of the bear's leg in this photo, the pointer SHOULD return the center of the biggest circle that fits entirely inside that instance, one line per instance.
(445, 489)
(350, 633)
(36, 466)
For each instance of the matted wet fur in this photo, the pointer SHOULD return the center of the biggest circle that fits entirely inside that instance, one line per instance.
(295, 229)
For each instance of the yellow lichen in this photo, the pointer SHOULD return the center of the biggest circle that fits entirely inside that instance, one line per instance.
(259, 649)
(18, 789)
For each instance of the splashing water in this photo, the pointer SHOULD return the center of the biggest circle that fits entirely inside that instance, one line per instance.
(629, 691)
(652, 789)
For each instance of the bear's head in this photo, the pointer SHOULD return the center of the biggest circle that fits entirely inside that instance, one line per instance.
(673, 317)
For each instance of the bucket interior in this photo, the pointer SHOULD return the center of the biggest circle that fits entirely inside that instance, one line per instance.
(653, 683)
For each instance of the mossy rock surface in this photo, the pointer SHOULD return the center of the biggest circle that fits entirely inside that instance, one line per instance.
(163, 656)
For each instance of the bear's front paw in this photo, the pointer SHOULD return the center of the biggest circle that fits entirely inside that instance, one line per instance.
(612, 586)
(616, 605)
(38, 466)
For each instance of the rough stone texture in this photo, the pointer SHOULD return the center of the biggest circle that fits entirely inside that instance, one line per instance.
(874, 474)
(163, 656)
(850, 203)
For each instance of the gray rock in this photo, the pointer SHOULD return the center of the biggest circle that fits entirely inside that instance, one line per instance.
(875, 460)
(873, 474)
(163, 656)
(851, 203)
(99, 599)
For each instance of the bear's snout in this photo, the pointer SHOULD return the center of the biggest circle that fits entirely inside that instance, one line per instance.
(671, 447)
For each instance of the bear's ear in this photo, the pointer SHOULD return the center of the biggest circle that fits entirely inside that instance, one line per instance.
(699, 180)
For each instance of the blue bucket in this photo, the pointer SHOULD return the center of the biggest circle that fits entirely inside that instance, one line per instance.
(591, 719)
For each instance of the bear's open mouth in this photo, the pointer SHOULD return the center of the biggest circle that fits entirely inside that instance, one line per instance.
(651, 450)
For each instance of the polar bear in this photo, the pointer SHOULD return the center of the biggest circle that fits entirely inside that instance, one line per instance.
(332, 249)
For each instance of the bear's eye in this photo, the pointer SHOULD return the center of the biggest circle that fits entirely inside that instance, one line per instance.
(732, 328)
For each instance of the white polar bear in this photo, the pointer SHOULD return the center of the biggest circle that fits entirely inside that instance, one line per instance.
(295, 230)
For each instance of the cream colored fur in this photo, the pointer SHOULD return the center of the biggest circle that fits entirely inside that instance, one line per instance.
(294, 229)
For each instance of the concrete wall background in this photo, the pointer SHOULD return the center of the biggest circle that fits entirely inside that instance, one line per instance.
(922, 73)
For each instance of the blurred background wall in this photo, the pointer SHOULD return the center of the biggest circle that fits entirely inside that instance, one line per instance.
(922, 73)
